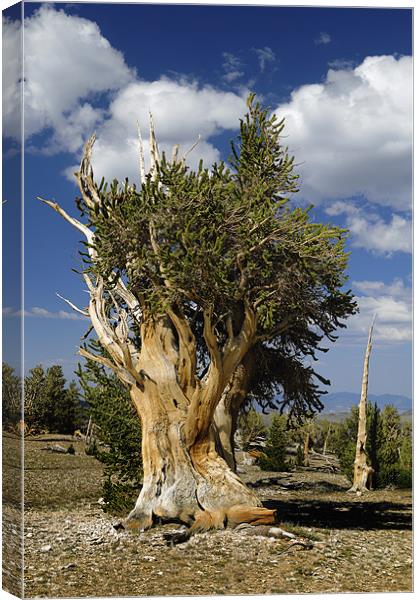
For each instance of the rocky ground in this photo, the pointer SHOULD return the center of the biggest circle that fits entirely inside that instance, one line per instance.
(361, 543)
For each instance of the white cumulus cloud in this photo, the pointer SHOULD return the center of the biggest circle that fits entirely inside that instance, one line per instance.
(371, 232)
(43, 313)
(392, 305)
(352, 133)
(181, 111)
(67, 63)
(77, 83)
(11, 81)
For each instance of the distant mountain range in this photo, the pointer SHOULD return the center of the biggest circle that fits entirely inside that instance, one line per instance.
(342, 402)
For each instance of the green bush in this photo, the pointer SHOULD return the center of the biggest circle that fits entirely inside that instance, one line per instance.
(49, 404)
(388, 447)
(405, 478)
(11, 397)
(117, 428)
(274, 458)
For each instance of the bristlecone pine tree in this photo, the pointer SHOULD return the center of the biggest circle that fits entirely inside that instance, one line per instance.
(186, 275)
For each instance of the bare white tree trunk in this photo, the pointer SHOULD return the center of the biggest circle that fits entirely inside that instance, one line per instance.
(362, 471)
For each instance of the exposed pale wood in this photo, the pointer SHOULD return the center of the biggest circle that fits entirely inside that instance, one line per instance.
(141, 155)
(154, 149)
(85, 313)
(362, 471)
(192, 148)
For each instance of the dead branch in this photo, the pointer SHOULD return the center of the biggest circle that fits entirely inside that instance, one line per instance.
(84, 312)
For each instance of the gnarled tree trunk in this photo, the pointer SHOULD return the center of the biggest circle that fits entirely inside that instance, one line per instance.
(183, 472)
(228, 409)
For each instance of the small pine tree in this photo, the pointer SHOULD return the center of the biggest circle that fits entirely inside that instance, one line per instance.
(68, 411)
(11, 392)
(54, 398)
(274, 458)
(344, 436)
(406, 456)
(299, 459)
(34, 399)
(49, 405)
(118, 428)
(388, 451)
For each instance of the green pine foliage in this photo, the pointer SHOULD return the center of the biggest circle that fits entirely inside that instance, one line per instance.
(274, 457)
(11, 397)
(406, 456)
(299, 458)
(388, 447)
(118, 431)
(49, 405)
(224, 238)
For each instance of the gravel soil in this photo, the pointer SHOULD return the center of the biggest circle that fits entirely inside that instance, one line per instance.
(360, 543)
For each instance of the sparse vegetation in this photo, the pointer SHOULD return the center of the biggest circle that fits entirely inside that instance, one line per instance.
(87, 553)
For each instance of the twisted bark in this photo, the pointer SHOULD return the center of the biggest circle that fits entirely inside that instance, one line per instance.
(182, 474)
(228, 409)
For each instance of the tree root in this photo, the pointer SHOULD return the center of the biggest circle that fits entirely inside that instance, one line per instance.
(306, 544)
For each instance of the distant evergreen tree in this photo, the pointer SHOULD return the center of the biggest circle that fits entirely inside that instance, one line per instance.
(389, 447)
(11, 392)
(54, 398)
(373, 439)
(274, 458)
(406, 456)
(343, 442)
(344, 435)
(69, 414)
(35, 412)
(49, 405)
(118, 428)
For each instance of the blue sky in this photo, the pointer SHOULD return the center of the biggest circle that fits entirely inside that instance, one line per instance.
(341, 77)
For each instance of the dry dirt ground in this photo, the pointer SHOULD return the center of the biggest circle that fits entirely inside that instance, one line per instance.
(362, 543)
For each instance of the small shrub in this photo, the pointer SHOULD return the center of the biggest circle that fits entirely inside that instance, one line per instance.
(274, 457)
(92, 449)
(405, 479)
(71, 449)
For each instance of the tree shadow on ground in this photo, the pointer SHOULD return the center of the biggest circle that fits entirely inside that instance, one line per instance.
(343, 515)
(322, 486)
